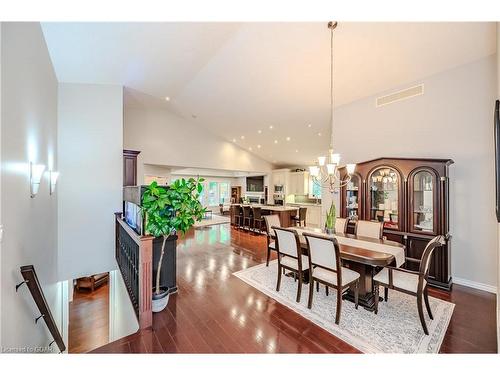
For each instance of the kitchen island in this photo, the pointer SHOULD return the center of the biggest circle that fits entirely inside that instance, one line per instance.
(285, 213)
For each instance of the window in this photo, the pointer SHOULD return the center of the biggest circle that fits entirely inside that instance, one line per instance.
(212, 194)
(314, 189)
(224, 192)
(201, 198)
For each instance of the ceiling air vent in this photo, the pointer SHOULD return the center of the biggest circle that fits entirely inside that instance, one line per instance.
(400, 95)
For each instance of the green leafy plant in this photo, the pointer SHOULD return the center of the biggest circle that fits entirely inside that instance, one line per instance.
(331, 217)
(171, 210)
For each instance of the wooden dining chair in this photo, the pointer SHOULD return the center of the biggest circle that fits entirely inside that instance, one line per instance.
(325, 267)
(271, 221)
(370, 229)
(341, 225)
(410, 282)
(290, 256)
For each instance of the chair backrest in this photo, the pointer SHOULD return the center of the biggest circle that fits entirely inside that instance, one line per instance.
(246, 211)
(287, 242)
(240, 210)
(257, 212)
(341, 225)
(369, 229)
(427, 254)
(302, 213)
(271, 221)
(323, 252)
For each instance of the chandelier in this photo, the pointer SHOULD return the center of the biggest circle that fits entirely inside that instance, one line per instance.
(326, 173)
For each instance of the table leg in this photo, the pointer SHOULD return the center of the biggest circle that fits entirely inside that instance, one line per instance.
(366, 291)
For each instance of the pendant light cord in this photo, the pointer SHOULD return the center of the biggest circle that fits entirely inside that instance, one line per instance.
(332, 100)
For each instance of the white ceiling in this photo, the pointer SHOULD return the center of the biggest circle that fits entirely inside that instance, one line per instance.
(237, 79)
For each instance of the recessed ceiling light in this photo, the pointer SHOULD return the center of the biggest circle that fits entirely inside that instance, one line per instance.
(258, 146)
(319, 134)
(288, 138)
(250, 148)
(259, 131)
(309, 125)
(167, 98)
(274, 161)
(242, 137)
(234, 139)
(275, 141)
(296, 150)
(270, 126)
(194, 116)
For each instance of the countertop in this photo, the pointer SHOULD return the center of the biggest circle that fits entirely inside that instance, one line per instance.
(304, 204)
(270, 208)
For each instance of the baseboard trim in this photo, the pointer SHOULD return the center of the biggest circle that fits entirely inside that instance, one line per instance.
(475, 285)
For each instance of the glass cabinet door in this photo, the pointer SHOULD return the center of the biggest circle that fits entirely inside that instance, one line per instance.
(423, 202)
(352, 197)
(384, 197)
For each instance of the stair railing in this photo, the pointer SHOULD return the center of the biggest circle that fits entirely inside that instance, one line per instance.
(31, 281)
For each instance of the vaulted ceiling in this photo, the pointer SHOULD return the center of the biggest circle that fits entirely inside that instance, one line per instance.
(237, 79)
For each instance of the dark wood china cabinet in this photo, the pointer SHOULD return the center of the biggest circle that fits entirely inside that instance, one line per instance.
(411, 198)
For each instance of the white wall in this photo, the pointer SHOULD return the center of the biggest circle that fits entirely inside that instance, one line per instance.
(498, 249)
(1, 225)
(29, 133)
(154, 172)
(166, 139)
(90, 147)
(453, 119)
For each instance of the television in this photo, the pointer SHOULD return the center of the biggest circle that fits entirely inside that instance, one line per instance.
(255, 184)
(497, 157)
(133, 216)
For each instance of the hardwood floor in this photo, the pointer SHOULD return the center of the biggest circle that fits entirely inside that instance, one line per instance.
(215, 312)
(88, 320)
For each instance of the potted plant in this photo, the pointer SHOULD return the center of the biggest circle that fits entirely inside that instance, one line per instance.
(331, 217)
(169, 211)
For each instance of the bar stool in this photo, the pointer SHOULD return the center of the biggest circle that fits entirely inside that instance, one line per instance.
(258, 220)
(238, 217)
(301, 217)
(247, 217)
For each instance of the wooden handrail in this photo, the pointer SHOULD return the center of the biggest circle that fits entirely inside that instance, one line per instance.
(136, 267)
(31, 280)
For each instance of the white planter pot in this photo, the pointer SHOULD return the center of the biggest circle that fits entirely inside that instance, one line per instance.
(160, 301)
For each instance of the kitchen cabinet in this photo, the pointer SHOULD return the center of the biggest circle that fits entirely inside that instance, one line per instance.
(298, 183)
(313, 216)
(280, 177)
(313, 213)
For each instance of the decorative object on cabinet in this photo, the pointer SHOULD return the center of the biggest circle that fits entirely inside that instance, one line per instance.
(130, 167)
(411, 198)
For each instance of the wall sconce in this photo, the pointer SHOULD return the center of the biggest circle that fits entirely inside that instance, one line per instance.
(53, 176)
(36, 173)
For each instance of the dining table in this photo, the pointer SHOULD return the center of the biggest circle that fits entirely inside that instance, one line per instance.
(364, 255)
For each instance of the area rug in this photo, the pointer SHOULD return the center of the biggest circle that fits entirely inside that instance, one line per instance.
(395, 329)
(215, 220)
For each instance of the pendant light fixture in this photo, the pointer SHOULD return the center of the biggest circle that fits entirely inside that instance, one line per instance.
(326, 171)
